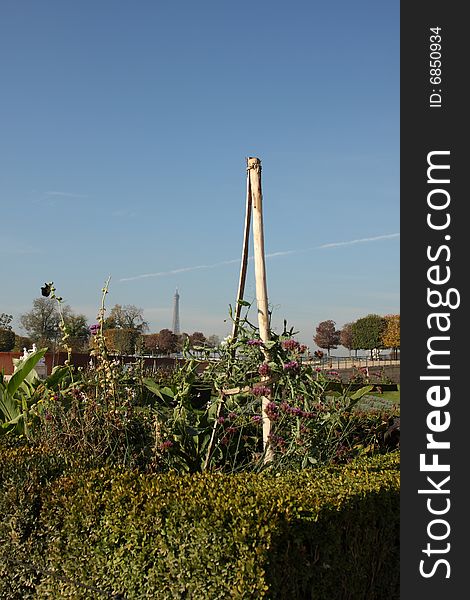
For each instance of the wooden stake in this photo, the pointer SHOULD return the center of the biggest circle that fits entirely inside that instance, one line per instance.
(244, 262)
(254, 171)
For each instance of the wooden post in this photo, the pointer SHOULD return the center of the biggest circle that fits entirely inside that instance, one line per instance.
(254, 171)
(244, 263)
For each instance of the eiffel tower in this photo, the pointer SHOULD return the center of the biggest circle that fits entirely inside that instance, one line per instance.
(176, 313)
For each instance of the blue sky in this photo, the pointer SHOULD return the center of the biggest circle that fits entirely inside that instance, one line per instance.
(124, 132)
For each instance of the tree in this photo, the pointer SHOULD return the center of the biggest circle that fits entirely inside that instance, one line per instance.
(78, 330)
(5, 321)
(7, 340)
(213, 341)
(126, 317)
(150, 342)
(122, 341)
(22, 342)
(327, 335)
(346, 337)
(391, 334)
(367, 332)
(197, 339)
(167, 341)
(42, 322)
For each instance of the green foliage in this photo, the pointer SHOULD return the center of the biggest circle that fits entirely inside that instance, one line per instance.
(42, 322)
(322, 533)
(367, 332)
(7, 340)
(17, 397)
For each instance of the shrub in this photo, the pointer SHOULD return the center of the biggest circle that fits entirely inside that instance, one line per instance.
(7, 340)
(330, 532)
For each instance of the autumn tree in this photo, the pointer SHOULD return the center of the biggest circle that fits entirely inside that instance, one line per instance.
(150, 342)
(122, 340)
(346, 337)
(167, 341)
(126, 317)
(327, 336)
(367, 333)
(197, 339)
(391, 333)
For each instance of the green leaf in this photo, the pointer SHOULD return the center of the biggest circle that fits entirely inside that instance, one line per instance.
(243, 303)
(270, 344)
(9, 407)
(23, 371)
(362, 391)
(58, 373)
(168, 392)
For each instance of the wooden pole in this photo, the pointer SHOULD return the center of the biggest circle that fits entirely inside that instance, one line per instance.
(254, 171)
(244, 262)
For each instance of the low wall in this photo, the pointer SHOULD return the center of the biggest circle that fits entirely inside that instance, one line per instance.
(53, 359)
(390, 371)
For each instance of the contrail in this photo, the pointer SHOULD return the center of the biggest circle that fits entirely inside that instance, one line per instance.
(180, 270)
(270, 255)
(360, 241)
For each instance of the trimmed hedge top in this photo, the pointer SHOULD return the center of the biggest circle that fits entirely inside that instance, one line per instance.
(329, 532)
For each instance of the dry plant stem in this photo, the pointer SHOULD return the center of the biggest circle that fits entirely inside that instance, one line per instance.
(254, 170)
(102, 355)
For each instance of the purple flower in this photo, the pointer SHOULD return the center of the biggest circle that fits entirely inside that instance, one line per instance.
(291, 365)
(221, 420)
(254, 343)
(166, 445)
(264, 369)
(272, 411)
(94, 329)
(256, 419)
(260, 390)
(277, 441)
(290, 345)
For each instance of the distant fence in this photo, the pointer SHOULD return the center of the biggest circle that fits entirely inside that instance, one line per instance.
(347, 367)
(346, 362)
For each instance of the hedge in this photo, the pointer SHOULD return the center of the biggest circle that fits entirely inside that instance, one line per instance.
(326, 533)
